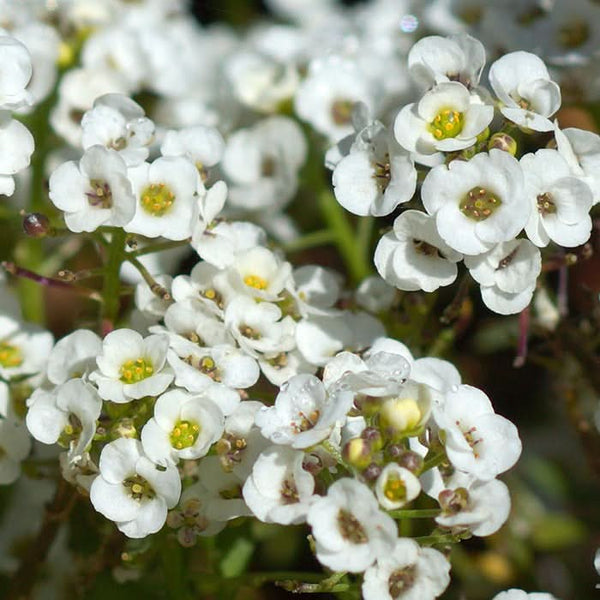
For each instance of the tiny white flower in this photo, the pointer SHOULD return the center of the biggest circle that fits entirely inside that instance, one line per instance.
(560, 202)
(477, 203)
(15, 444)
(376, 176)
(15, 73)
(132, 491)
(118, 123)
(184, 426)
(95, 192)
(16, 148)
(66, 415)
(166, 193)
(24, 348)
(413, 256)
(349, 529)
(73, 356)
(408, 572)
(375, 295)
(482, 507)
(279, 490)
(515, 594)
(434, 59)
(396, 487)
(523, 85)
(131, 367)
(304, 413)
(447, 118)
(507, 275)
(477, 440)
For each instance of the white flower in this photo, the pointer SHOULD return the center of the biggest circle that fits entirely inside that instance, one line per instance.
(413, 256)
(304, 413)
(477, 440)
(434, 59)
(321, 337)
(131, 367)
(166, 193)
(314, 288)
(482, 507)
(73, 356)
(16, 148)
(15, 73)
(581, 149)
(376, 176)
(326, 97)
(523, 85)
(560, 202)
(132, 491)
(15, 444)
(396, 486)
(349, 529)
(375, 295)
(259, 328)
(184, 426)
(202, 145)
(262, 163)
(94, 192)
(477, 203)
(515, 594)
(408, 572)
(279, 490)
(447, 118)
(259, 273)
(118, 123)
(67, 415)
(24, 348)
(507, 275)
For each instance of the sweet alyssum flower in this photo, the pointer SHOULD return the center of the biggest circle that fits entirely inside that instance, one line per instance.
(413, 256)
(304, 413)
(523, 85)
(515, 594)
(131, 367)
(15, 444)
(67, 415)
(477, 203)
(507, 275)
(349, 529)
(447, 118)
(73, 356)
(94, 192)
(132, 491)
(184, 426)
(560, 201)
(279, 490)
(408, 572)
(396, 486)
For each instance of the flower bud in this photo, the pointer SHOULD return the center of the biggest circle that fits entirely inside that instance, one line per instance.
(374, 437)
(357, 452)
(36, 225)
(504, 142)
(372, 472)
(411, 461)
(453, 501)
(124, 428)
(399, 415)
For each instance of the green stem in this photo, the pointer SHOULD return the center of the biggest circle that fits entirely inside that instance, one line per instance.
(435, 461)
(448, 538)
(345, 237)
(159, 247)
(364, 234)
(112, 283)
(417, 513)
(310, 240)
(154, 286)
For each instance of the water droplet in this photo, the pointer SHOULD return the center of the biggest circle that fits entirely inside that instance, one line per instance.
(454, 389)
(284, 386)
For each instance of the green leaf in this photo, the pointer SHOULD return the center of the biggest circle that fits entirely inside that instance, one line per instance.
(236, 559)
(557, 531)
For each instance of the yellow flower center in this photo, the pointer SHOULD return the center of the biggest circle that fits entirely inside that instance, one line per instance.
(157, 199)
(394, 488)
(136, 370)
(139, 488)
(447, 124)
(10, 356)
(184, 434)
(479, 203)
(256, 282)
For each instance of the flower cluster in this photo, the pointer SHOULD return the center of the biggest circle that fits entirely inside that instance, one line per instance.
(480, 191)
